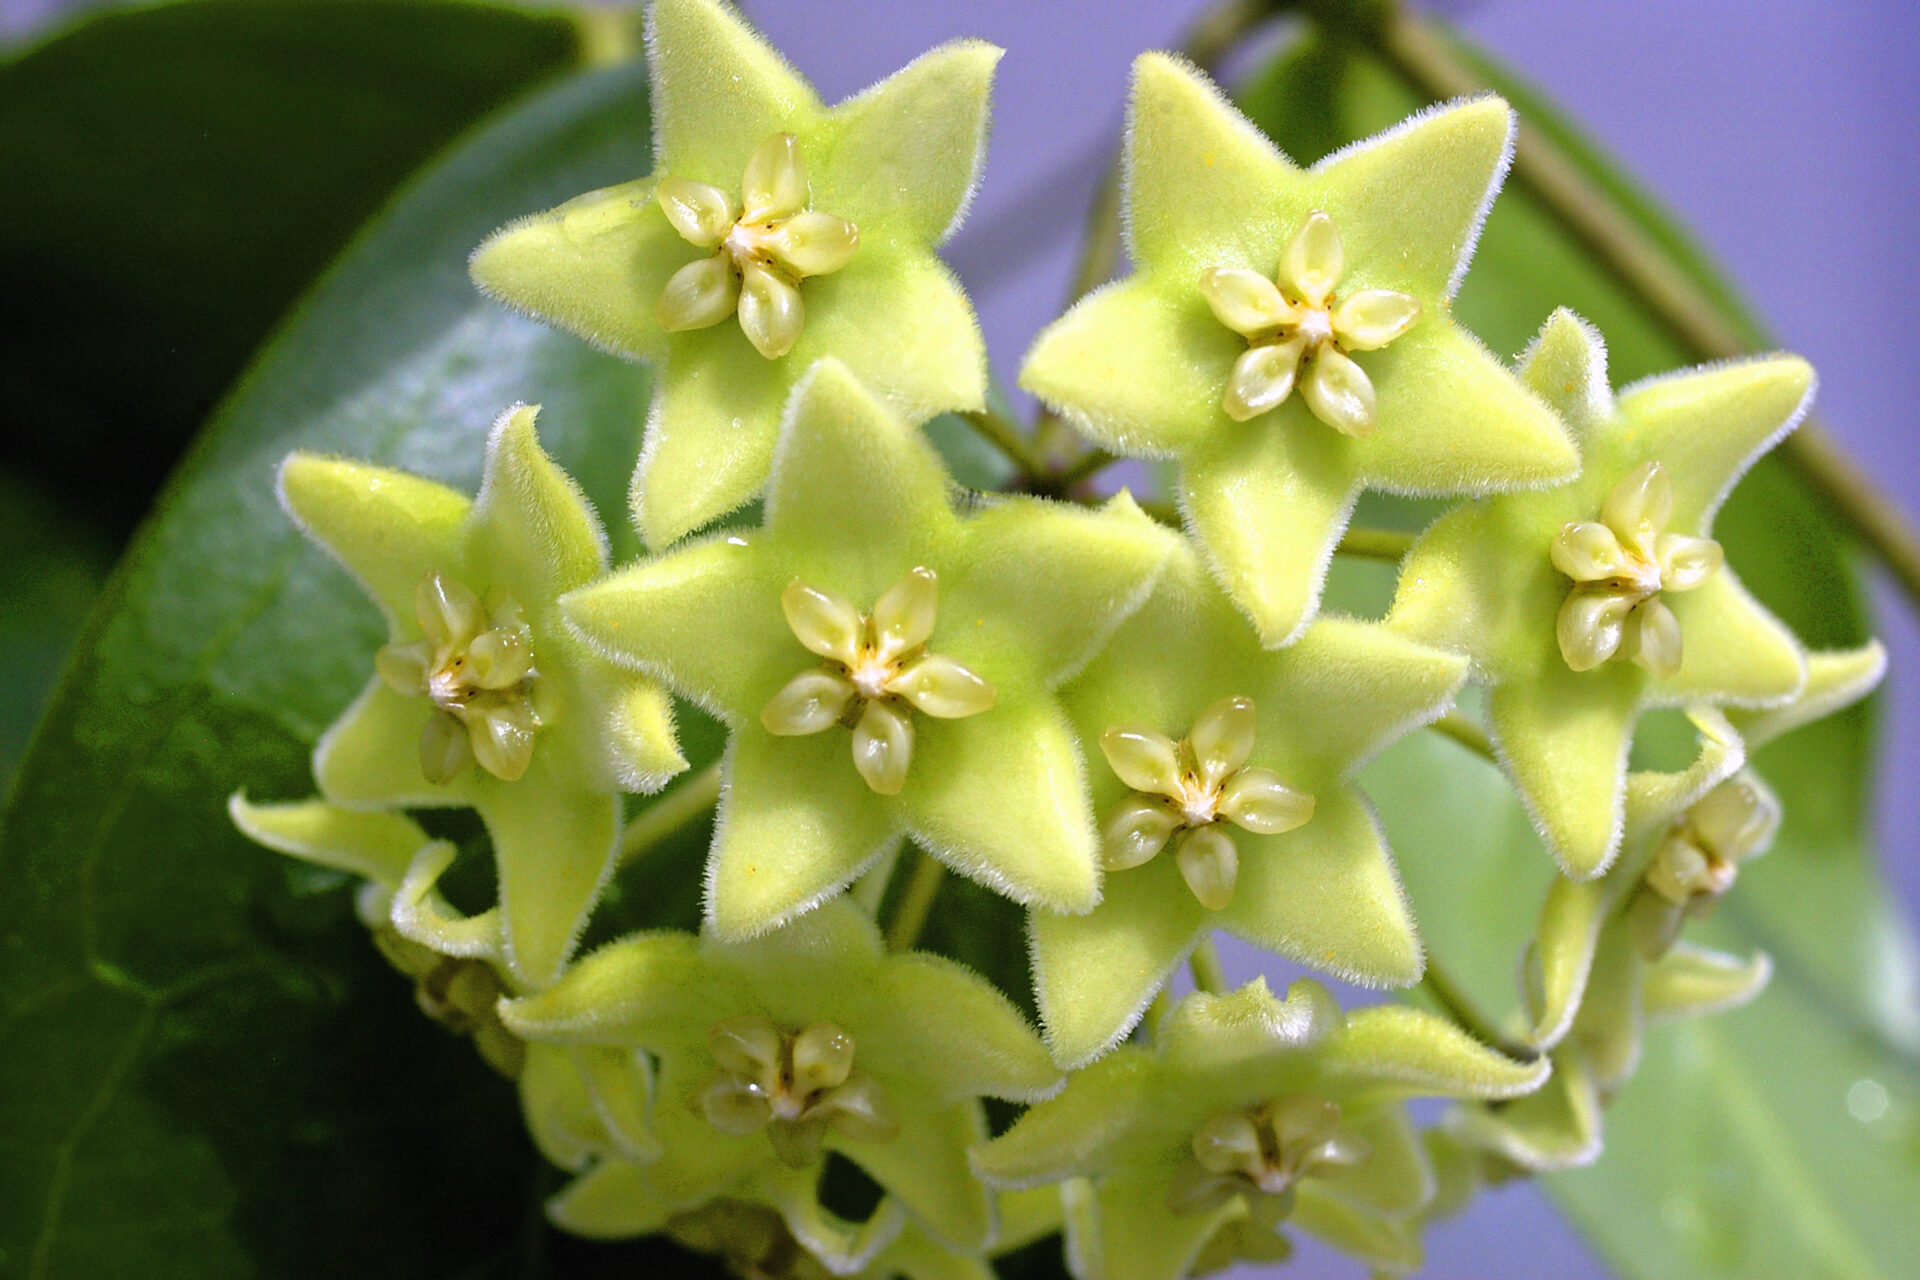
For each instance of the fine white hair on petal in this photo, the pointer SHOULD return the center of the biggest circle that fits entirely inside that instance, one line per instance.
(1495, 181)
(977, 161)
(1617, 830)
(1250, 132)
(492, 479)
(710, 879)
(1793, 419)
(1127, 1024)
(1599, 390)
(1323, 561)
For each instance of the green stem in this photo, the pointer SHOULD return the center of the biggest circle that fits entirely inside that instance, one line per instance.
(671, 812)
(1156, 1010)
(916, 902)
(870, 890)
(1451, 998)
(1466, 733)
(1086, 465)
(1358, 541)
(1208, 976)
(1375, 544)
(1007, 438)
(608, 36)
(1418, 51)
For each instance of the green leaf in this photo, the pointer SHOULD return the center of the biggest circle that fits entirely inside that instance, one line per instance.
(1775, 1140)
(209, 1069)
(1779, 1139)
(49, 576)
(253, 140)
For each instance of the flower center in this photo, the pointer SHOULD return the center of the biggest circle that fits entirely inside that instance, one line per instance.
(1621, 564)
(1182, 790)
(872, 674)
(476, 665)
(762, 247)
(749, 242)
(1299, 331)
(1698, 860)
(794, 1085)
(1265, 1151)
(1315, 326)
(1197, 800)
(877, 673)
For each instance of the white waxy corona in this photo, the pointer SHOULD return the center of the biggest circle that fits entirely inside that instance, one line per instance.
(1621, 564)
(762, 246)
(794, 1085)
(1699, 859)
(476, 664)
(1263, 1151)
(1184, 790)
(878, 672)
(1299, 331)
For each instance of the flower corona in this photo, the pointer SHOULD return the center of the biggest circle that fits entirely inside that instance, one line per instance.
(1183, 791)
(1299, 331)
(878, 672)
(763, 245)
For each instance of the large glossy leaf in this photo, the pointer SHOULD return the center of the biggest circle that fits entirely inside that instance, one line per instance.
(208, 1071)
(1779, 1140)
(51, 571)
(177, 174)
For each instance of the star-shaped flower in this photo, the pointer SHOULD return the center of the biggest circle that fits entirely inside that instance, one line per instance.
(1253, 824)
(1249, 1113)
(815, 225)
(1608, 958)
(484, 698)
(943, 637)
(580, 1103)
(772, 1051)
(1286, 336)
(1575, 911)
(1560, 1127)
(1491, 580)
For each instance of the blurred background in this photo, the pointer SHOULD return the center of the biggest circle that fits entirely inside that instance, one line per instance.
(1782, 134)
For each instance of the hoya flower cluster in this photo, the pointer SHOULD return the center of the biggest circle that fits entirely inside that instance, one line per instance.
(1140, 734)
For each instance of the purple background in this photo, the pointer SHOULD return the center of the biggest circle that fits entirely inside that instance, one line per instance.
(1782, 133)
